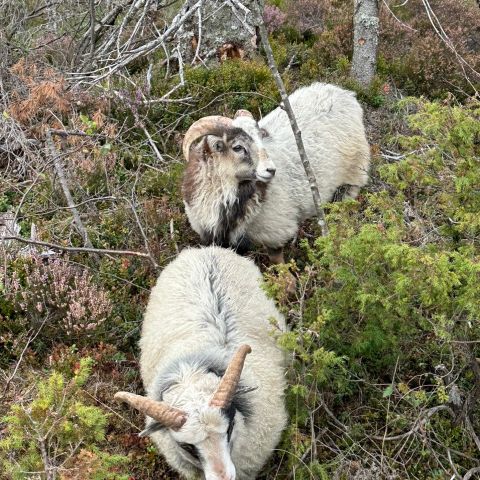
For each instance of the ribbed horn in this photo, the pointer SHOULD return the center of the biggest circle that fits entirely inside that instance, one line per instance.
(242, 113)
(228, 384)
(170, 417)
(201, 128)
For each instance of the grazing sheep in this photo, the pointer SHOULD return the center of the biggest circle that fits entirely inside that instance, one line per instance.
(205, 314)
(244, 180)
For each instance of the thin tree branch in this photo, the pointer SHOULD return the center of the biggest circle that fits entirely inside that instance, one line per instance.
(78, 133)
(417, 425)
(92, 30)
(54, 246)
(293, 122)
(66, 191)
(142, 231)
(29, 341)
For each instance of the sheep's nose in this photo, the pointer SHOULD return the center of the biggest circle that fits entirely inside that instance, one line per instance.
(271, 171)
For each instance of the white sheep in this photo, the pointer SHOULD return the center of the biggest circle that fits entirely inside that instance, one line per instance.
(205, 312)
(245, 180)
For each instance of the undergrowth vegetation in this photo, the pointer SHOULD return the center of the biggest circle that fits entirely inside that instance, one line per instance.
(384, 380)
(386, 321)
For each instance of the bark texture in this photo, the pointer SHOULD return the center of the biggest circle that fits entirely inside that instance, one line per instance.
(219, 30)
(365, 40)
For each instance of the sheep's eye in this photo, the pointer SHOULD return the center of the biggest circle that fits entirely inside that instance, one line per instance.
(238, 149)
(230, 429)
(190, 449)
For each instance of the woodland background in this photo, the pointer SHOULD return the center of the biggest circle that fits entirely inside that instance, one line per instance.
(94, 99)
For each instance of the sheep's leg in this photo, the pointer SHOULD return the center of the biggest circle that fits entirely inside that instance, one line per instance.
(352, 192)
(345, 191)
(276, 255)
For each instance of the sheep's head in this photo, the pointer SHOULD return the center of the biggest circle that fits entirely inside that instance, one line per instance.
(265, 168)
(201, 424)
(236, 156)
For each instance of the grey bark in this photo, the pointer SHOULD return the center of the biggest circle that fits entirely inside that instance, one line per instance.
(220, 29)
(365, 41)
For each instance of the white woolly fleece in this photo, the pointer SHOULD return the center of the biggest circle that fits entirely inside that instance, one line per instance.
(209, 300)
(331, 122)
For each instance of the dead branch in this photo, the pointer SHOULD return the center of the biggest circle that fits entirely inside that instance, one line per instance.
(66, 191)
(335, 420)
(438, 28)
(19, 361)
(78, 133)
(126, 56)
(54, 246)
(417, 425)
(293, 122)
(92, 30)
(106, 22)
(142, 231)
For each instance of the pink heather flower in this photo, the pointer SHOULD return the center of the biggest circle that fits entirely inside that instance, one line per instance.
(273, 17)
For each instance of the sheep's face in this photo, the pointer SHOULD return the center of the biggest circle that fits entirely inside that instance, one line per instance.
(264, 166)
(206, 440)
(230, 155)
(234, 156)
(197, 401)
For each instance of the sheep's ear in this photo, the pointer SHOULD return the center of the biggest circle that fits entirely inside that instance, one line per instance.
(151, 428)
(201, 151)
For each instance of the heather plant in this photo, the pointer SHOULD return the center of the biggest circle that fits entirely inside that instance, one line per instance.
(54, 433)
(412, 52)
(58, 297)
(274, 18)
(307, 15)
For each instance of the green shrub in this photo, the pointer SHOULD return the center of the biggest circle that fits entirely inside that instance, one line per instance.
(45, 434)
(387, 300)
(223, 89)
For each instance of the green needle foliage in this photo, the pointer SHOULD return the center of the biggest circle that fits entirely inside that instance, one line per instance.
(388, 301)
(50, 433)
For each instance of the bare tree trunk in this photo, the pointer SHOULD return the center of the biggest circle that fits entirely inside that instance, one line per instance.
(365, 40)
(218, 30)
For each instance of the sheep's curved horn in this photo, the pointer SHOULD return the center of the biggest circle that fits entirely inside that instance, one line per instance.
(203, 127)
(170, 417)
(242, 113)
(228, 384)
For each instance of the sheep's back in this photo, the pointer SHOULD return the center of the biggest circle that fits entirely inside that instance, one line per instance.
(208, 298)
(331, 122)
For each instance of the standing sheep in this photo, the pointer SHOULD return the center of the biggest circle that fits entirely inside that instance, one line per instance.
(205, 314)
(245, 180)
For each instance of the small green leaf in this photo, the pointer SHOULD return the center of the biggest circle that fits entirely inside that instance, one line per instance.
(105, 149)
(387, 392)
